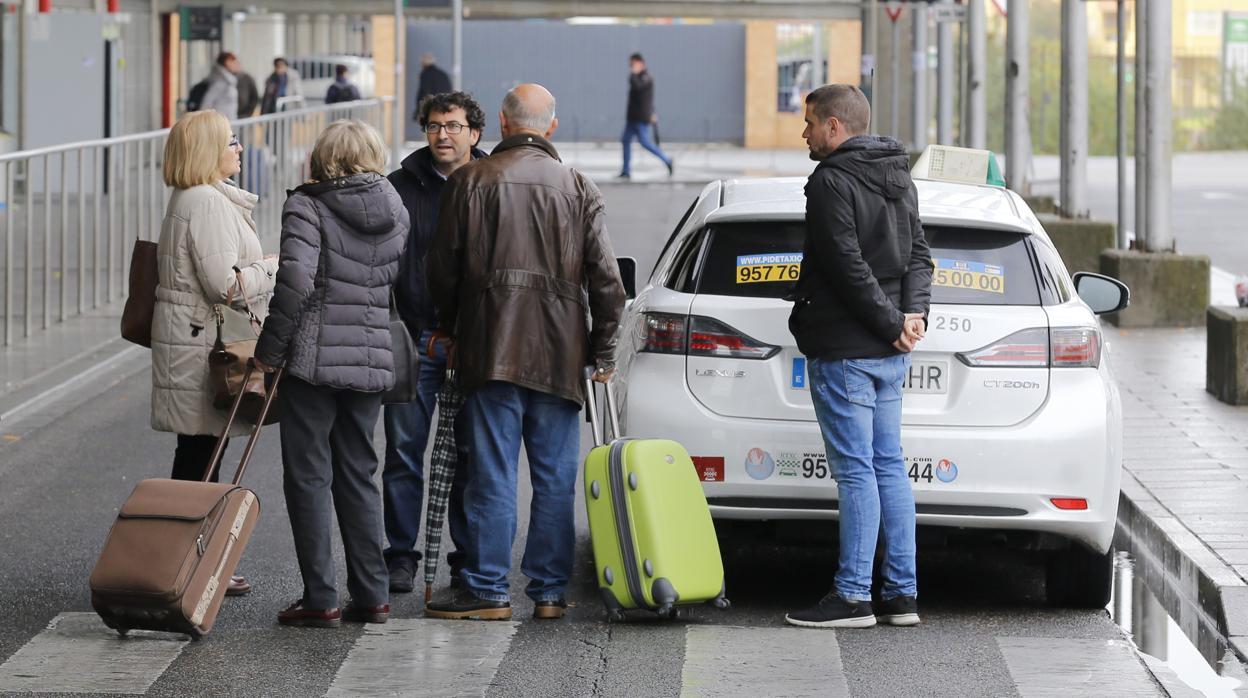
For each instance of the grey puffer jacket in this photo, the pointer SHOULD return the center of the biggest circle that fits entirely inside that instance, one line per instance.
(329, 320)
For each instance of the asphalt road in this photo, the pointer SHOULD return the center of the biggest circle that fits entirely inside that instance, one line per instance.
(985, 631)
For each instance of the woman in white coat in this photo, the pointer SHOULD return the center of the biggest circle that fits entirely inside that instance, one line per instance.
(208, 233)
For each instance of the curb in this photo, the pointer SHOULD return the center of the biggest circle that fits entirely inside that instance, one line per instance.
(1205, 597)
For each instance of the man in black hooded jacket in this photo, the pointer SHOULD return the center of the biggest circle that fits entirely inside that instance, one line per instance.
(859, 309)
(452, 122)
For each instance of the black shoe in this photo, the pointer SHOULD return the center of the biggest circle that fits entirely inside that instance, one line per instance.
(624, 175)
(463, 604)
(551, 609)
(902, 610)
(671, 167)
(456, 582)
(833, 611)
(402, 570)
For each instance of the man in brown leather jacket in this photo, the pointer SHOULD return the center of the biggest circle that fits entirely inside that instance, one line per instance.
(523, 276)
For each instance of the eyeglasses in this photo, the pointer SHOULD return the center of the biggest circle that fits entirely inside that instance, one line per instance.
(452, 127)
(233, 142)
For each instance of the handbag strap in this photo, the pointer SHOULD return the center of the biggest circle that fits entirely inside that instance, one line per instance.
(229, 297)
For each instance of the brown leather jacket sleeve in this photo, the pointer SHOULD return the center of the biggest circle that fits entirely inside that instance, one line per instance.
(445, 259)
(602, 281)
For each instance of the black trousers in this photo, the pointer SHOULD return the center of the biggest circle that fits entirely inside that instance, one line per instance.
(191, 457)
(328, 463)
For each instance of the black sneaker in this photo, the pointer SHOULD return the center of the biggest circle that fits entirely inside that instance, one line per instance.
(902, 610)
(402, 570)
(624, 175)
(832, 611)
(671, 167)
(463, 604)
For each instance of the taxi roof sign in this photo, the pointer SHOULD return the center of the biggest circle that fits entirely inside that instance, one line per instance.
(947, 163)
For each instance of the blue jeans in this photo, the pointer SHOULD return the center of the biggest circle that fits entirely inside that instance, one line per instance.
(499, 416)
(641, 131)
(408, 427)
(858, 404)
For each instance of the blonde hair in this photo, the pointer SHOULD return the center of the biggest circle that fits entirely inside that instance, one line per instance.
(193, 149)
(345, 148)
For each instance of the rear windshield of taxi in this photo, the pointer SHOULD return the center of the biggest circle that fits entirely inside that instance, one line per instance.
(970, 267)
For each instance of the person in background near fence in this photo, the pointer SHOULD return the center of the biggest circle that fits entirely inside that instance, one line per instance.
(248, 95)
(520, 263)
(453, 123)
(641, 116)
(342, 90)
(208, 246)
(433, 81)
(283, 82)
(222, 93)
(342, 236)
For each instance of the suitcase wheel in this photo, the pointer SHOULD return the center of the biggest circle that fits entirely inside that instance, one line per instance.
(722, 603)
(615, 616)
(122, 631)
(668, 611)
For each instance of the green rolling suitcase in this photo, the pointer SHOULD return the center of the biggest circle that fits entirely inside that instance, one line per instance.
(653, 538)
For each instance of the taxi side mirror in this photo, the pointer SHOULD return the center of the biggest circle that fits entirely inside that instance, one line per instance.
(1102, 293)
(628, 273)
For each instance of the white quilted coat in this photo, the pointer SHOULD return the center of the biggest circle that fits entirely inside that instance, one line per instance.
(208, 230)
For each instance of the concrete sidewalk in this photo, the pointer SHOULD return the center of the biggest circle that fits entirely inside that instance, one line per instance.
(1184, 506)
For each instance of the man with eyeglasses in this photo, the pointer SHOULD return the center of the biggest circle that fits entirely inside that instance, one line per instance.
(452, 122)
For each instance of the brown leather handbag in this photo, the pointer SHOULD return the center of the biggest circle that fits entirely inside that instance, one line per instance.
(237, 332)
(136, 317)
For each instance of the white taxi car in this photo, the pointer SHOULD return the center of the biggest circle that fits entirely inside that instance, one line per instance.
(1012, 421)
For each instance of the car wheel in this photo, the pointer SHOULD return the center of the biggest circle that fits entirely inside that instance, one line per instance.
(1079, 578)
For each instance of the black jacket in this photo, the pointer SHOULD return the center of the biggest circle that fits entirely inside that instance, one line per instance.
(865, 262)
(420, 187)
(433, 81)
(342, 91)
(640, 97)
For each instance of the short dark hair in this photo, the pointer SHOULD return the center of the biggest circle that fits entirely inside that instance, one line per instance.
(340, 70)
(446, 101)
(845, 102)
(279, 61)
(224, 57)
(636, 57)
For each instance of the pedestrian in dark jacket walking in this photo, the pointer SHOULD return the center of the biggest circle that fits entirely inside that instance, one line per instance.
(453, 123)
(329, 325)
(520, 265)
(860, 308)
(342, 90)
(433, 81)
(641, 116)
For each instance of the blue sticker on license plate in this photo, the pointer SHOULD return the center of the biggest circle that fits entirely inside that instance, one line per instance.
(799, 373)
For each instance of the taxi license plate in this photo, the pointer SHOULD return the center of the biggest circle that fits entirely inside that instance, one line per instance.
(926, 377)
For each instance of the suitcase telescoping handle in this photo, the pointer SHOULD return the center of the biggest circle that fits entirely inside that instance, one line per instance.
(591, 405)
(255, 431)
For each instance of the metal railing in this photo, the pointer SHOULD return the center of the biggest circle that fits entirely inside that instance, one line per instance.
(71, 213)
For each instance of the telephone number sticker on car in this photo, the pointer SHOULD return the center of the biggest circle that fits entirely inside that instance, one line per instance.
(926, 377)
(757, 268)
(971, 276)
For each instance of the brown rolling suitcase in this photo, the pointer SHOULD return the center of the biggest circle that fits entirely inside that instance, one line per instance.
(175, 544)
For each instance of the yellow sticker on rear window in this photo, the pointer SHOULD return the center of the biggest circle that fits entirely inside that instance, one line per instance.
(757, 268)
(969, 276)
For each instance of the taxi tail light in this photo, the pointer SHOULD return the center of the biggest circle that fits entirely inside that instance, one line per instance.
(1076, 347)
(709, 337)
(1024, 349)
(1070, 503)
(664, 333)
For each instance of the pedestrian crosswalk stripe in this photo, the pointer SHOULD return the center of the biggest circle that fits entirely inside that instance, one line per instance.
(423, 657)
(722, 661)
(78, 654)
(1047, 666)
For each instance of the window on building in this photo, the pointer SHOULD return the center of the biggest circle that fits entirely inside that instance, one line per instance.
(1204, 23)
(801, 63)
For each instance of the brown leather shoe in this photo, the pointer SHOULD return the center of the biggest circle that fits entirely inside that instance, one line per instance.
(373, 614)
(299, 616)
(550, 610)
(237, 586)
